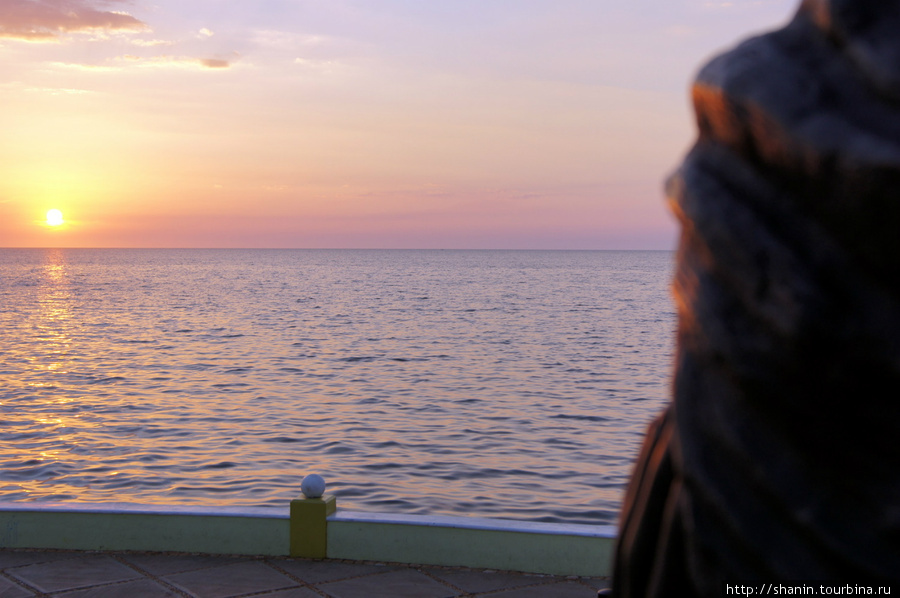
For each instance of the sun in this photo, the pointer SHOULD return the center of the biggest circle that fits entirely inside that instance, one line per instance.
(54, 218)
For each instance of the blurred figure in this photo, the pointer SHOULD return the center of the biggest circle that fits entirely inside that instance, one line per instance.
(779, 456)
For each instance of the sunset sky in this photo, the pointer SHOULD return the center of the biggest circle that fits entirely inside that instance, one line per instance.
(351, 123)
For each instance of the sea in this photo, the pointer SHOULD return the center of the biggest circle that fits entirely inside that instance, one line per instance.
(508, 384)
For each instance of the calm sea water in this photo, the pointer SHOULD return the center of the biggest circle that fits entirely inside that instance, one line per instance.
(513, 384)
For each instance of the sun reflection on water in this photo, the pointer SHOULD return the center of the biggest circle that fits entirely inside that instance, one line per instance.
(42, 413)
(55, 301)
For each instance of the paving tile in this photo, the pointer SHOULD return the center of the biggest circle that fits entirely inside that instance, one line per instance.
(322, 571)
(231, 580)
(10, 590)
(19, 558)
(566, 589)
(74, 573)
(291, 593)
(403, 583)
(142, 588)
(165, 564)
(473, 580)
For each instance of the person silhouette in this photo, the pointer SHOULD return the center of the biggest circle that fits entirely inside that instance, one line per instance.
(777, 458)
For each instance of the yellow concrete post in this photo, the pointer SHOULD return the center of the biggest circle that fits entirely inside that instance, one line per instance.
(309, 526)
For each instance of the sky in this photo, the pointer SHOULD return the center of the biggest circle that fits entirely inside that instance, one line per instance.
(479, 124)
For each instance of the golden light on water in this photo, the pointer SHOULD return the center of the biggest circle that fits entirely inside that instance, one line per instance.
(54, 218)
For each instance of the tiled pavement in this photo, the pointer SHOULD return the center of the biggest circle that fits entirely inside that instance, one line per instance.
(71, 574)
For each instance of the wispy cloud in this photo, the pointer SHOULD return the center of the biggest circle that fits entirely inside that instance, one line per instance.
(164, 61)
(178, 62)
(214, 63)
(150, 43)
(91, 68)
(46, 20)
(57, 91)
(289, 40)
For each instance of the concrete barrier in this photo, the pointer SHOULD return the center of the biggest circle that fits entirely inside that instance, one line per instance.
(313, 528)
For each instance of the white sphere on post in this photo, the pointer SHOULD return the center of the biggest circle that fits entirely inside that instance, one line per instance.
(313, 486)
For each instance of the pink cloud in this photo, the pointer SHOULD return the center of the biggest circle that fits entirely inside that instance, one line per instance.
(45, 20)
(214, 63)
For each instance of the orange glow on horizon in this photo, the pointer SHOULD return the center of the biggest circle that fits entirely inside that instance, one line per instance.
(347, 140)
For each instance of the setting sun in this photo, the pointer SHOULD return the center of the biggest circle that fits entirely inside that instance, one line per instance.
(54, 218)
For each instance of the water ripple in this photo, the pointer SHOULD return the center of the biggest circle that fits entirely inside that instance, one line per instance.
(505, 384)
